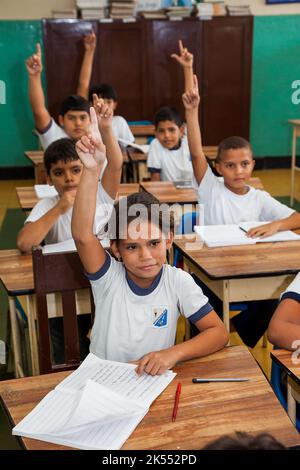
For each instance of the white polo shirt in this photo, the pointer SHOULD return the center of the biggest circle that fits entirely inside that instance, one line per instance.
(61, 230)
(131, 321)
(222, 206)
(173, 165)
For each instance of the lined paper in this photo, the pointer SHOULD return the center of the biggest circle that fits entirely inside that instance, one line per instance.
(96, 407)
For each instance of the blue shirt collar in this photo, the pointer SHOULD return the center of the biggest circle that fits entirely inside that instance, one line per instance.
(144, 290)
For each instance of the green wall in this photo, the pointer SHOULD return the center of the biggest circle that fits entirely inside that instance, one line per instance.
(275, 65)
(17, 42)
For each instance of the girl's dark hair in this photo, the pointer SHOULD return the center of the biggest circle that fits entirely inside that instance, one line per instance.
(244, 441)
(233, 142)
(61, 149)
(142, 206)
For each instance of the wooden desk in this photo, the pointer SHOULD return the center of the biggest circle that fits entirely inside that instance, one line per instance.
(166, 192)
(296, 133)
(27, 197)
(284, 359)
(139, 130)
(209, 410)
(243, 273)
(37, 158)
(139, 163)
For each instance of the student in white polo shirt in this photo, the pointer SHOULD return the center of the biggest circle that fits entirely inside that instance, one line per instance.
(284, 328)
(169, 156)
(138, 297)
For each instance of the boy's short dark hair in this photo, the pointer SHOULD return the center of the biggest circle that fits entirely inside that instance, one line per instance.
(61, 149)
(104, 91)
(74, 103)
(168, 114)
(233, 142)
(244, 441)
(151, 210)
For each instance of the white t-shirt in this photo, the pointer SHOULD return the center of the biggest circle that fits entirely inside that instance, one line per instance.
(61, 230)
(222, 206)
(52, 133)
(293, 290)
(121, 129)
(173, 165)
(131, 321)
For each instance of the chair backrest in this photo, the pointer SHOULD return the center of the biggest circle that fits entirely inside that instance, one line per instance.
(63, 273)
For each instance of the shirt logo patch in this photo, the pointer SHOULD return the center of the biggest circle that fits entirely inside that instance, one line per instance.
(160, 317)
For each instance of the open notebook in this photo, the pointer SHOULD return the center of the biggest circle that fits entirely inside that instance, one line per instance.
(231, 234)
(68, 245)
(142, 148)
(96, 407)
(45, 190)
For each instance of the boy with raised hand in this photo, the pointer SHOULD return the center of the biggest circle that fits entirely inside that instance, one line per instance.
(50, 219)
(89, 42)
(74, 113)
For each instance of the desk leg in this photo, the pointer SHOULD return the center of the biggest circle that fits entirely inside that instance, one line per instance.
(293, 165)
(291, 402)
(226, 305)
(15, 338)
(30, 302)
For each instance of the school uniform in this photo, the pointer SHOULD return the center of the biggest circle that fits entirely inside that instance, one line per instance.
(173, 165)
(131, 321)
(222, 206)
(293, 290)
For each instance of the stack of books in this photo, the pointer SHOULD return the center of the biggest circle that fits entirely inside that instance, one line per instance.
(122, 9)
(239, 10)
(205, 11)
(178, 12)
(66, 13)
(219, 9)
(154, 14)
(92, 9)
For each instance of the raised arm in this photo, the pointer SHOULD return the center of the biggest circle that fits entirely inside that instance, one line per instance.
(87, 65)
(112, 174)
(185, 59)
(91, 151)
(191, 100)
(34, 68)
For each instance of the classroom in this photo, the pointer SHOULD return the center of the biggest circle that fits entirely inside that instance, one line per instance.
(150, 225)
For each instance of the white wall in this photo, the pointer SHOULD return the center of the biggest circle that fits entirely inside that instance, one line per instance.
(259, 7)
(31, 9)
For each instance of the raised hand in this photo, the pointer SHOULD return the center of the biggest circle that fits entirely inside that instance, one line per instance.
(104, 112)
(191, 99)
(90, 148)
(89, 41)
(185, 59)
(34, 62)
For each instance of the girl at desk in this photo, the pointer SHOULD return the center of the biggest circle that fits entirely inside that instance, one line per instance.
(138, 297)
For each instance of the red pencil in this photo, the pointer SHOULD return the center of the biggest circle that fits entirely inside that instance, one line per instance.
(176, 402)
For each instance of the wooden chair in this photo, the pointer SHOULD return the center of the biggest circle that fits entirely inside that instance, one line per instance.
(63, 273)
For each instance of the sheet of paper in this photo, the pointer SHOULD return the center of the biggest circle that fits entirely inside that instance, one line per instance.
(45, 190)
(223, 235)
(96, 407)
(126, 143)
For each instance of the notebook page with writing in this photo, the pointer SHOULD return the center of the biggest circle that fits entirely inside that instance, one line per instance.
(96, 407)
(223, 235)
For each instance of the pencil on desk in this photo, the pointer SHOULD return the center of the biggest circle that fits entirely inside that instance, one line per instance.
(176, 402)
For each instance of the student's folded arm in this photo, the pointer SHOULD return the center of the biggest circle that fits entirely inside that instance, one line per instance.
(284, 327)
(112, 174)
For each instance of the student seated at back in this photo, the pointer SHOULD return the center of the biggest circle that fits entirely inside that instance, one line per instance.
(169, 156)
(284, 328)
(136, 292)
(231, 200)
(73, 118)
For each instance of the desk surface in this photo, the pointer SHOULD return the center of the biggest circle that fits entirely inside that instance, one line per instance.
(284, 359)
(295, 122)
(166, 191)
(142, 129)
(227, 262)
(37, 156)
(209, 410)
(16, 272)
(27, 197)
